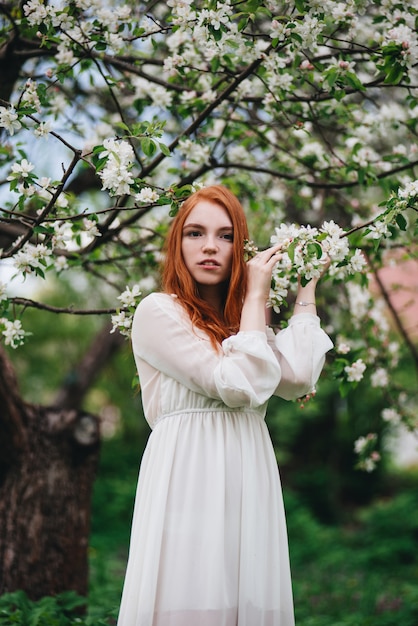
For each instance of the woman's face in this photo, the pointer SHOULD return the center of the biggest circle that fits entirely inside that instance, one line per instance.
(207, 244)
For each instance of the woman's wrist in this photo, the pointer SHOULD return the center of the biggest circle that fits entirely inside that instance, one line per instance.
(305, 299)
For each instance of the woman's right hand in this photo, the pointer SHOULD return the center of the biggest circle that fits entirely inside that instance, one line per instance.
(259, 271)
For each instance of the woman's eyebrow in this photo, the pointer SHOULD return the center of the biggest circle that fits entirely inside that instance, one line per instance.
(193, 225)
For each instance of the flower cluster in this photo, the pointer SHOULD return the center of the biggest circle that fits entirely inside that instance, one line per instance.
(122, 320)
(116, 175)
(9, 119)
(13, 333)
(368, 456)
(305, 252)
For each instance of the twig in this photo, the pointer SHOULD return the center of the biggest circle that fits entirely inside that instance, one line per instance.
(26, 302)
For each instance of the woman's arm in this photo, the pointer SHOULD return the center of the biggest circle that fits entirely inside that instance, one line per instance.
(243, 372)
(259, 270)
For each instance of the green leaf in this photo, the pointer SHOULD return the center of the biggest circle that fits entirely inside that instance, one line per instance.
(401, 221)
(315, 248)
(149, 147)
(291, 251)
(164, 149)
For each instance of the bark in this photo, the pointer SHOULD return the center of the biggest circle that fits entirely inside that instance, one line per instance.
(45, 504)
(48, 461)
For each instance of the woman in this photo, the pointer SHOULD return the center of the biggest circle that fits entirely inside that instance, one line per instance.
(209, 544)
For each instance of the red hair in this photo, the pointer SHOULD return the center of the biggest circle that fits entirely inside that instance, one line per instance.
(176, 278)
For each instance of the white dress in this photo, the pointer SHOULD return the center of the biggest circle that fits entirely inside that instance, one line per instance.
(209, 543)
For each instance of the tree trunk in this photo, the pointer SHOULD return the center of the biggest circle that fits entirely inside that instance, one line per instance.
(48, 461)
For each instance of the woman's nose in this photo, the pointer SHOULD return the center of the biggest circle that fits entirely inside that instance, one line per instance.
(209, 244)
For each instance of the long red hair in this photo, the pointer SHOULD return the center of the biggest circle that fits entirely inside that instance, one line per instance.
(177, 280)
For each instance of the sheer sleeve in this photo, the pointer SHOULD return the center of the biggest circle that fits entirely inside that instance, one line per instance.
(244, 372)
(300, 349)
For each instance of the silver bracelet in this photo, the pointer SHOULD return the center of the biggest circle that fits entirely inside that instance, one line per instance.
(301, 303)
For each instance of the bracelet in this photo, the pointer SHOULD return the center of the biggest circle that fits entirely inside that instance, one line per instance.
(301, 303)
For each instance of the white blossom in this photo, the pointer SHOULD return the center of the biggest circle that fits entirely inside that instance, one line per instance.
(3, 295)
(9, 119)
(90, 227)
(378, 230)
(35, 11)
(196, 153)
(63, 233)
(369, 464)
(116, 175)
(43, 129)
(31, 257)
(12, 332)
(355, 371)
(147, 195)
(123, 322)
(379, 378)
(409, 191)
(61, 263)
(357, 262)
(391, 415)
(342, 348)
(21, 170)
(359, 301)
(362, 442)
(129, 297)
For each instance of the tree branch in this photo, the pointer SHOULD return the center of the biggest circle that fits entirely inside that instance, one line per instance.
(27, 302)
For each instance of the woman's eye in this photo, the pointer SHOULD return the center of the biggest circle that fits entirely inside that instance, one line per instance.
(228, 236)
(193, 233)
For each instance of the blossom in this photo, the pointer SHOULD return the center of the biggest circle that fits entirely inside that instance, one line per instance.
(130, 295)
(30, 95)
(90, 226)
(21, 170)
(355, 371)
(147, 195)
(409, 191)
(305, 251)
(357, 262)
(12, 332)
(379, 378)
(359, 301)
(61, 263)
(342, 348)
(9, 119)
(64, 54)
(35, 11)
(32, 257)
(123, 322)
(193, 151)
(63, 233)
(3, 295)
(279, 30)
(378, 230)
(391, 415)
(43, 129)
(362, 443)
(369, 464)
(116, 175)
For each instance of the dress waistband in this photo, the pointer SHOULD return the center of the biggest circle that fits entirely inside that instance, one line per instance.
(218, 409)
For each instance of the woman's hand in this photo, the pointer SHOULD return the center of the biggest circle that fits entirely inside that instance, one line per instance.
(259, 271)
